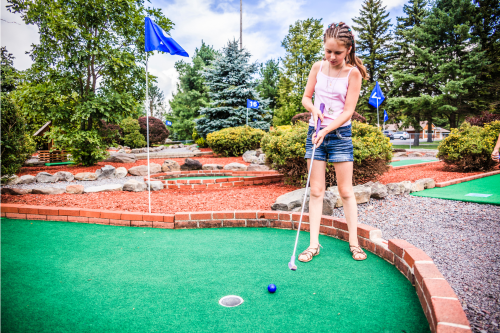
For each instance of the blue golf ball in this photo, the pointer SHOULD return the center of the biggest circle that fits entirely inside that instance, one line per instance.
(271, 288)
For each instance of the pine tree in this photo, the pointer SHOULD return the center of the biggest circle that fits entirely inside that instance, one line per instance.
(303, 46)
(192, 93)
(268, 83)
(230, 83)
(156, 101)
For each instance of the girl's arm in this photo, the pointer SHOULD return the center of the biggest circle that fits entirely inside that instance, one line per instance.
(309, 91)
(495, 154)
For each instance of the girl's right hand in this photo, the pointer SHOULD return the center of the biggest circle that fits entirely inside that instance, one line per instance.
(316, 113)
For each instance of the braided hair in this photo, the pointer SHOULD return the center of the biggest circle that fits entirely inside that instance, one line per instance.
(342, 32)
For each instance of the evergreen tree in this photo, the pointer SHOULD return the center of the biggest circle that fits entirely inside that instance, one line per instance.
(229, 79)
(192, 93)
(156, 101)
(268, 83)
(304, 46)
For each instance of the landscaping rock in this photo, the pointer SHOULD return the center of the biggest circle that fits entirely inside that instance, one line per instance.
(378, 191)
(416, 187)
(142, 170)
(121, 158)
(335, 191)
(414, 154)
(289, 201)
(427, 182)
(86, 176)
(196, 151)
(236, 167)
(400, 154)
(405, 187)
(121, 172)
(190, 164)
(15, 191)
(430, 154)
(155, 185)
(74, 189)
(394, 189)
(10, 180)
(258, 167)
(134, 186)
(48, 190)
(64, 176)
(329, 202)
(362, 194)
(34, 161)
(104, 188)
(254, 156)
(138, 151)
(169, 165)
(27, 179)
(107, 172)
(45, 177)
(212, 167)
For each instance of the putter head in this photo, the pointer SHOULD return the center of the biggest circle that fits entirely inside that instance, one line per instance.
(291, 264)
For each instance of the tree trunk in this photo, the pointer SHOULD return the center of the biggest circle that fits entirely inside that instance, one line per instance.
(429, 129)
(416, 138)
(453, 120)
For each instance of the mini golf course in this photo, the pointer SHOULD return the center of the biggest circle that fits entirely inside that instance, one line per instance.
(411, 162)
(77, 277)
(484, 190)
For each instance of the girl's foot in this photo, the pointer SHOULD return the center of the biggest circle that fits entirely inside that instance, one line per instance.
(309, 253)
(357, 252)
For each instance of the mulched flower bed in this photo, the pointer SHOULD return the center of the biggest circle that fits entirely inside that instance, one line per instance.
(259, 197)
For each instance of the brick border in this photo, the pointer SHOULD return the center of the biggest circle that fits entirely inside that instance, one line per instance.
(466, 179)
(438, 300)
(256, 178)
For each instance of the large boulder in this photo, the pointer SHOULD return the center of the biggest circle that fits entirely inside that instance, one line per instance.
(405, 187)
(133, 185)
(142, 170)
(138, 151)
(74, 189)
(212, 167)
(257, 167)
(121, 158)
(86, 176)
(379, 191)
(329, 202)
(254, 156)
(427, 182)
(26, 179)
(10, 180)
(45, 177)
(394, 189)
(107, 172)
(400, 154)
(169, 165)
(415, 154)
(121, 172)
(362, 194)
(155, 185)
(290, 200)
(103, 188)
(417, 187)
(34, 161)
(235, 167)
(64, 176)
(190, 164)
(15, 191)
(48, 190)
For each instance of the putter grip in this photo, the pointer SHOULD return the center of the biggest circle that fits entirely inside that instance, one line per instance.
(322, 109)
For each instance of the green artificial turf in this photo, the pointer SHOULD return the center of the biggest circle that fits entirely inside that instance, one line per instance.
(70, 277)
(409, 162)
(486, 185)
(206, 177)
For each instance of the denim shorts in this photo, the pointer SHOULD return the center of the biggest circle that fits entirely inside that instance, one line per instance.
(336, 146)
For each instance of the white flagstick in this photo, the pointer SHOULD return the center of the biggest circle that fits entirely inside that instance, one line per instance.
(147, 132)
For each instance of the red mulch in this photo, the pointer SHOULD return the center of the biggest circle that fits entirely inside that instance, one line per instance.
(205, 149)
(74, 169)
(164, 201)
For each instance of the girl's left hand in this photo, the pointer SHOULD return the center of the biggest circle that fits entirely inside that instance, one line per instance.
(317, 140)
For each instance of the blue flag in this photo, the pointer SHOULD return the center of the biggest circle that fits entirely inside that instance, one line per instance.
(386, 117)
(157, 39)
(168, 123)
(376, 96)
(251, 104)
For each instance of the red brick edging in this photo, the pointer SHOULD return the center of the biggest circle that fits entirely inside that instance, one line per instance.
(256, 177)
(439, 302)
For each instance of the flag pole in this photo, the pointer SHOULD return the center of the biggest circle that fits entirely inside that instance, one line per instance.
(378, 118)
(247, 116)
(147, 134)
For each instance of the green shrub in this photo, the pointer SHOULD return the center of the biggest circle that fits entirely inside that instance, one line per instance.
(469, 148)
(132, 135)
(202, 143)
(285, 148)
(235, 141)
(86, 147)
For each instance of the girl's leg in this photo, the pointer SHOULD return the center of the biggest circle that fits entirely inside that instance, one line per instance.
(317, 185)
(343, 171)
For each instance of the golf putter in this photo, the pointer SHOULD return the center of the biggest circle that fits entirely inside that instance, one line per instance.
(291, 264)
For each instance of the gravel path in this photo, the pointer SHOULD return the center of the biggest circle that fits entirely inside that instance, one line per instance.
(85, 183)
(461, 237)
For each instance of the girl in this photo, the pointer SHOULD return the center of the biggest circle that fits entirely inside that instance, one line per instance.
(336, 82)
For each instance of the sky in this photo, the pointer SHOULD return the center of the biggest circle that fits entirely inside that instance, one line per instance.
(265, 25)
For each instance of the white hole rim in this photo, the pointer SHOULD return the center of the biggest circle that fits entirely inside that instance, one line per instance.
(229, 306)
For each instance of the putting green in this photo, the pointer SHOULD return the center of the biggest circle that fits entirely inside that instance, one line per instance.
(70, 277)
(410, 162)
(484, 190)
(206, 177)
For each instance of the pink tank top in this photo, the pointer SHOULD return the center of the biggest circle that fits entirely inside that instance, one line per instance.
(331, 91)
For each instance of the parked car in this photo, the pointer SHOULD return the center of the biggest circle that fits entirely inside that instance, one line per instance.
(402, 135)
(389, 134)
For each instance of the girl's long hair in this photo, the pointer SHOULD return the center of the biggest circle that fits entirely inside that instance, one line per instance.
(342, 32)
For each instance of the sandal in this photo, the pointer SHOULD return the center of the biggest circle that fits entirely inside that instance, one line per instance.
(357, 253)
(309, 253)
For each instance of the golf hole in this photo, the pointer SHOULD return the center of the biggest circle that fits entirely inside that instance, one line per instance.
(230, 301)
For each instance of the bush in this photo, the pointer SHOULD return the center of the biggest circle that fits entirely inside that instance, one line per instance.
(16, 142)
(485, 118)
(132, 137)
(469, 148)
(85, 147)
(202, 143)
(285, 150)
(307, 115)
(158, 131)
(235, 141)
(110, 133)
